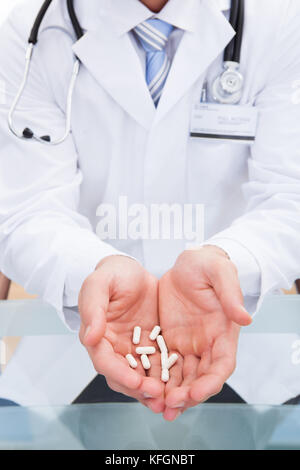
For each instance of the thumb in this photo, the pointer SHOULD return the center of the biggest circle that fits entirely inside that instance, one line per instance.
(227, 288)
(93, 305)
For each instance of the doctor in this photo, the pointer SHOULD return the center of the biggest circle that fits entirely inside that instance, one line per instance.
(135, 134)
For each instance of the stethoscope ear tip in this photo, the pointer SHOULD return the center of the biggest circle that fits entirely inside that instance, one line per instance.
(27, 133)
(46, 138)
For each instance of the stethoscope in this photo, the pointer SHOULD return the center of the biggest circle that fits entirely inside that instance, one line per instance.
(32, 41)
(226, 88)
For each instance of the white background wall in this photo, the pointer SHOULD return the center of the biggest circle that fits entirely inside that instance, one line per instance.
(5, 7)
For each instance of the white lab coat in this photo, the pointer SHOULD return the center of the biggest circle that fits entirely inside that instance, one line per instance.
(121, 145)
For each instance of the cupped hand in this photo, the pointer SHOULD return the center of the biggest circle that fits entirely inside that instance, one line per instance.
(118, 296)
(201, 311)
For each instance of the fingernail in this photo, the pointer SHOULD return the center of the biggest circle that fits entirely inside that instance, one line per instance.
(245, 311)
(146, 395)
(178, 414)
(87, 331)
(180, 405)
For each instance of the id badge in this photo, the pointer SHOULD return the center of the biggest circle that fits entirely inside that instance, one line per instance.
(224, 122)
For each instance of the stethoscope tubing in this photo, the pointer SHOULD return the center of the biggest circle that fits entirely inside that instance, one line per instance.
(232, 52)
(229, 50)
(16, 100)
(239, 32)
(32, 42)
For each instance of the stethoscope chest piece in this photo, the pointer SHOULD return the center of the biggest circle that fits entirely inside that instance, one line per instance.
(227, 88)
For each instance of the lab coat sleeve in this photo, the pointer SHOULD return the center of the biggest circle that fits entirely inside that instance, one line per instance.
(265, 242)
(46, 245)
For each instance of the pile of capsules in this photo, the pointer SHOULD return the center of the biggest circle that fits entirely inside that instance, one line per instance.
(166, 361)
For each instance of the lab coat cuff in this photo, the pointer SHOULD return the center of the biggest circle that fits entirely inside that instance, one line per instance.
(248, 268)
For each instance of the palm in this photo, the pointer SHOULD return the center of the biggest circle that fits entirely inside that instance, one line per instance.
(192, 320)
(195, 326)
(132, 302)
(123, 315)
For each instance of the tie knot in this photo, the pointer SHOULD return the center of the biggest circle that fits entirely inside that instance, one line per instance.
(153, 34)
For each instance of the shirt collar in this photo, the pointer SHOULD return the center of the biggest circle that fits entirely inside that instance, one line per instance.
(224, 4)
(125, 15)
(180, 13)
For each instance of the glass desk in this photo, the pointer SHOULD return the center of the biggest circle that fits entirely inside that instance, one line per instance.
(278, 314)
(133, 427)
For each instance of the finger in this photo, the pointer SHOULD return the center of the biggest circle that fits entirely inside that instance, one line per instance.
(172, 414)
(222, 360)
(176, 375)
(179, 398)
(226, 284)
(152, 390)
(177, 393)
(212, 382)
(155, 401)
(150, 393)
(155, 404)
(154, 373)
(114, 366)
(93, 304)
(116, 387)
(175, 381)
(205, 363)
(155, 369)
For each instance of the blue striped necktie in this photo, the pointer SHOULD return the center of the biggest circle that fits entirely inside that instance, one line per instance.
(153, 35)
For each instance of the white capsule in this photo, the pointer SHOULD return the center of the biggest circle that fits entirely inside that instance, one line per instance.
(146, 350)
(132, 361)
(164, 360)
(145, 361)
(165, 376)
(171, 360)
(136, 335)
(154, 333)
(161, 344)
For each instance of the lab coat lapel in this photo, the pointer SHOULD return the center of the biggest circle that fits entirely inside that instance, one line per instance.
(114, 63)
(196, 52)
